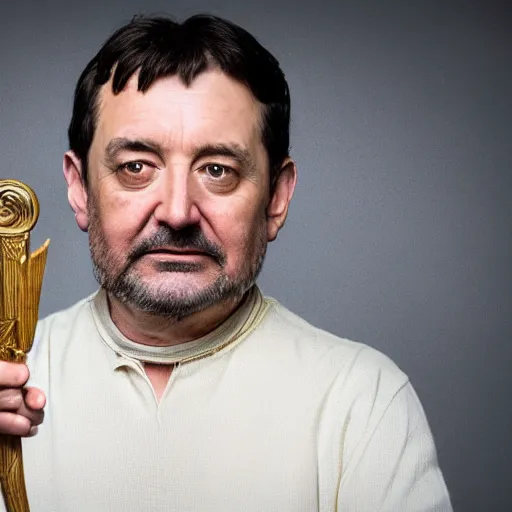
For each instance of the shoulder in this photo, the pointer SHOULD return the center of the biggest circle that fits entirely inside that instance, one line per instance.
(57, 324)
(369, 423)
(292, 330)
(67, 315)
(362, 390)
(348, 366)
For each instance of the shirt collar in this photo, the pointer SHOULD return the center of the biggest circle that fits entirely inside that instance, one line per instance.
(127, 352)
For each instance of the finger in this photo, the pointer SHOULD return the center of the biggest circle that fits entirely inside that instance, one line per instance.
(11, 399)
(33, 431)
(35, 416)
(35, 399)
(14, 424)
(13, 375)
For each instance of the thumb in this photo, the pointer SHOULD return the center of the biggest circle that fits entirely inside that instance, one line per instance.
(35, 398)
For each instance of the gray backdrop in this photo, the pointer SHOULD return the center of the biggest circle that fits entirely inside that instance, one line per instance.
(399, 234)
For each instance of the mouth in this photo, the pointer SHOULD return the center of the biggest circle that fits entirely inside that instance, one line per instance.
(172, 252)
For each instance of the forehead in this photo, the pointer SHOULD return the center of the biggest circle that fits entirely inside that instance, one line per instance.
(213, 108)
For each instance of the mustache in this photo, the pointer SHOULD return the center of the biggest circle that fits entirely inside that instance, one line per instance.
(190, 237)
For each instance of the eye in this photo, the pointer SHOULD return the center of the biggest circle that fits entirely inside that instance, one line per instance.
(133, 167)
(217, 171)
(136, 173)
(219, 178)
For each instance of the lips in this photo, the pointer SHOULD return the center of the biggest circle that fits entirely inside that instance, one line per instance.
(176, 252)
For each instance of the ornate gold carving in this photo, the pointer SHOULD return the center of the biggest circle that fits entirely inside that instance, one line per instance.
(8, 347)
(12, 248)
(19, 208)
(21, 278)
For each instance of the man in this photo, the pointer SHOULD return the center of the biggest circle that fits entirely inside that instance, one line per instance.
(178, 386)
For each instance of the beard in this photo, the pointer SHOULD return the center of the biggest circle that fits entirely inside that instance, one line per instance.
(158, 297)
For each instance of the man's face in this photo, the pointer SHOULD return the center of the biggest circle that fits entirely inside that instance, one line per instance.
(178, 190)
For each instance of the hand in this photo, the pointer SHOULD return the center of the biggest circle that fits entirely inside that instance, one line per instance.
(21, 409)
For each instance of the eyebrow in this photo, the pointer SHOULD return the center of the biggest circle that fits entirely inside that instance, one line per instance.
(115, 146)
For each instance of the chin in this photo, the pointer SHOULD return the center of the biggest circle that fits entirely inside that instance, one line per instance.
(179, 283)
(171, 299)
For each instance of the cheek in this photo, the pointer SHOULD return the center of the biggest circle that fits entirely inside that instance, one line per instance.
(242, 239)
(120, 219)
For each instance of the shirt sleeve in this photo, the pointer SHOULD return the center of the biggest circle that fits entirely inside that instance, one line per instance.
(394, 465)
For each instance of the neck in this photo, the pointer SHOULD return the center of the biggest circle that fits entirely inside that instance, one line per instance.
(149, 329)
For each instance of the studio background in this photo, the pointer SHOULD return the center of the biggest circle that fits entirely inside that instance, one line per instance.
(399, 235)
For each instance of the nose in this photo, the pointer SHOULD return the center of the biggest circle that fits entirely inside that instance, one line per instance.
(176, 206)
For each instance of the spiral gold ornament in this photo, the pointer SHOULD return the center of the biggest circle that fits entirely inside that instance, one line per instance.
(19, 208)
(21, 278)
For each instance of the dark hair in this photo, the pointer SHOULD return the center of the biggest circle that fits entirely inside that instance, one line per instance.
(159, 47)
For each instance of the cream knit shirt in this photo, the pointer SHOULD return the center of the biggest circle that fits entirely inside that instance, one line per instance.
(265, 414)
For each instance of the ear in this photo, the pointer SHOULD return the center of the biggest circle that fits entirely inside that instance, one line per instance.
(277, 209)
(77, 192)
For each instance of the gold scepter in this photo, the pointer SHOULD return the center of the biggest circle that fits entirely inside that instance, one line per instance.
(21, 278)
